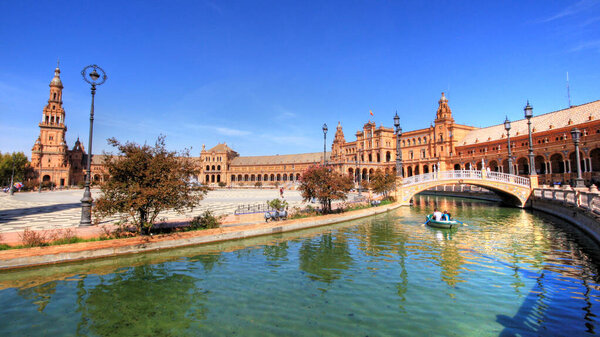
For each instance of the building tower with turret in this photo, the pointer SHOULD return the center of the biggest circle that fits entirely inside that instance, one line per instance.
(49, 155)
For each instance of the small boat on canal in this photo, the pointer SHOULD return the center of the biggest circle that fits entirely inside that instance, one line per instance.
(442, 224)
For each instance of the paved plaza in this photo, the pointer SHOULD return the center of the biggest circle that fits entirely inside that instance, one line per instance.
(62, 209)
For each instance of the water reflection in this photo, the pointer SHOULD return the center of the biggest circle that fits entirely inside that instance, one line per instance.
(148, 300)
(324, 258)
(509, 272)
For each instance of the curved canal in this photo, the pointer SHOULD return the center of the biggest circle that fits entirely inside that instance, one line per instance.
(508, 272)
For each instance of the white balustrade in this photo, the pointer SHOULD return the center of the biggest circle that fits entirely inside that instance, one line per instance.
(583, 199)
(466, 174)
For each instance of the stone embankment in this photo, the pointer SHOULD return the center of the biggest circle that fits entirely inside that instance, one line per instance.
(27, 257)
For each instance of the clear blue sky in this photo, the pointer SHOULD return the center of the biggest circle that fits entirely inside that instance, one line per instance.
(264, 76)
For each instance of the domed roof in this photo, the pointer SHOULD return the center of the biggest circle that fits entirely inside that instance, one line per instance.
(56, 82)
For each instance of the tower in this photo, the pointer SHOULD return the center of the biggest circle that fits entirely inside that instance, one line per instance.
(337, 154)
(442, 131)
(49, 155)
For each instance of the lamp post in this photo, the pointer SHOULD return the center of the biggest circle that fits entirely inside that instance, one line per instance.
(528, 114)
(324, 144)
(40, 177)
(510, 162)
(359, 170)
(576, 134)
(12, 176)
(90, 75)
(398, 152)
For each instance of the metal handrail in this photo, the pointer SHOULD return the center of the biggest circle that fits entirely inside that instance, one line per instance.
(466, 174)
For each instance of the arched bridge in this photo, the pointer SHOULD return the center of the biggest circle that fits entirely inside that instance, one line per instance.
(513, 189)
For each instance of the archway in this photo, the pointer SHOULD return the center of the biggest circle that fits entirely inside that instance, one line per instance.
(425, 169)
(457, 167)
(557, 165)
(523, 166)
(540, 165)
(595, 160)
(573, 160)
(493, 165)
(409, 171)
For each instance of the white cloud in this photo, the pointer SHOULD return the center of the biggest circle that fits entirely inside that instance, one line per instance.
(580, 6)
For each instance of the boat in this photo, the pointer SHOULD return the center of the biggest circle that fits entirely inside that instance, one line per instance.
(441, 224)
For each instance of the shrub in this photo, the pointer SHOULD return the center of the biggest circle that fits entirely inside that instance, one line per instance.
(31, 238)
(277, 204)
(205, 221)
(258, 184)
(222, 184)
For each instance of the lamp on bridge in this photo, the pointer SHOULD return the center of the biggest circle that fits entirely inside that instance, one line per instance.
(528, 114)
(576, 134)
(398, 152)
(90, 75)
(510, 161)
(324, 143)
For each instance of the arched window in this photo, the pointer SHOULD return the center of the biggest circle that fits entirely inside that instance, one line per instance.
(218, 167)
(54, 96)
(278, 177)
(246, 177)
(388, 156)
(233, 177)
(252, 177)
(265, 177)
(207, 168)
(213, 167)
(457, 167)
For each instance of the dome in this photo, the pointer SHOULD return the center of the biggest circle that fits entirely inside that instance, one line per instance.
(56, 82)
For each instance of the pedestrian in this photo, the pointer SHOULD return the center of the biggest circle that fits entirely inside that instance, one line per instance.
(281, 191)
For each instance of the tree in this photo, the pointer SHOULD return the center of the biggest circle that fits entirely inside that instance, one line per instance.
(324, 184)
(23, 168)
(382, 183)
(144, 181)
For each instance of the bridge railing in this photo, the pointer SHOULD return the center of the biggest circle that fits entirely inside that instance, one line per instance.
(466, 174)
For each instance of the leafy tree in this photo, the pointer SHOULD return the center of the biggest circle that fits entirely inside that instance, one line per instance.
(146, 180)
(382, 183)
(23, 168)
(324, 184)
(278, 204)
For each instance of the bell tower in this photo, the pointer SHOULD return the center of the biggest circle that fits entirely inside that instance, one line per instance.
(443, 132)
(49, 155)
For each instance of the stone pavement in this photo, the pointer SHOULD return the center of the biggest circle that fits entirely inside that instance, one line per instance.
(62, 209)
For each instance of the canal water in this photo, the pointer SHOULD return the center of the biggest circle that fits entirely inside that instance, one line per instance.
(508, 272)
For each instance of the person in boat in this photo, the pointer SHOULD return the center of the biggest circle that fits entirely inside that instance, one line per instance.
(446, 216)
(437, 215)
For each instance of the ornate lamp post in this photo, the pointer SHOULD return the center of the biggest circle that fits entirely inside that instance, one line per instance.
(90, 74)
(324, 143)
(398, 152)
(528, 114)
(12, 176)
(40, 178)
(359, 170)
(576, 134)
(510, 162)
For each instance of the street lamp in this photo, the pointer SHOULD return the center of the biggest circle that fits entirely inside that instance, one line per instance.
(12, 176)
(359, 152)
(576, 134)
(528, 114)
(324, 143)
(398, 152)
(510, 162)
(40, 176)
(90, 75)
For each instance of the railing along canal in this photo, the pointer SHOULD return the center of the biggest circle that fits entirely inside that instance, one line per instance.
(587, 200)
(466, 174)
(252, 208)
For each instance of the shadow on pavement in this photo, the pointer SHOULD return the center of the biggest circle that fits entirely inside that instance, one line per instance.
(15, 214)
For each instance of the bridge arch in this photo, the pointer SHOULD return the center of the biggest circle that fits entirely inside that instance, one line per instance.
(513, 190)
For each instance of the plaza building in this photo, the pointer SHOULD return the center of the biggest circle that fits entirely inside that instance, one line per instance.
(444, 145)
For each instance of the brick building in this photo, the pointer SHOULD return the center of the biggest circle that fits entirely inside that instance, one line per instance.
(444, 145)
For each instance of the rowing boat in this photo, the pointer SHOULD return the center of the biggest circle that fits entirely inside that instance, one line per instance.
(441, 224)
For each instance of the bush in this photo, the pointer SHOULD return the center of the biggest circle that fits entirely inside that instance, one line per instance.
(277, 204)
(222, 184)
(31, 238)
(258, 184)
(205, 221)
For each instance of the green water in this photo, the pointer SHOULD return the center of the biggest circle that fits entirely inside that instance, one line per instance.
(509, 272)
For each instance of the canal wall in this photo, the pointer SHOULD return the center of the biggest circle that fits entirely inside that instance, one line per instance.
(581, 207)
(28, 257)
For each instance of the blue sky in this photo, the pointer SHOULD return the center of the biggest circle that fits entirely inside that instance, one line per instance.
(264, 76)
